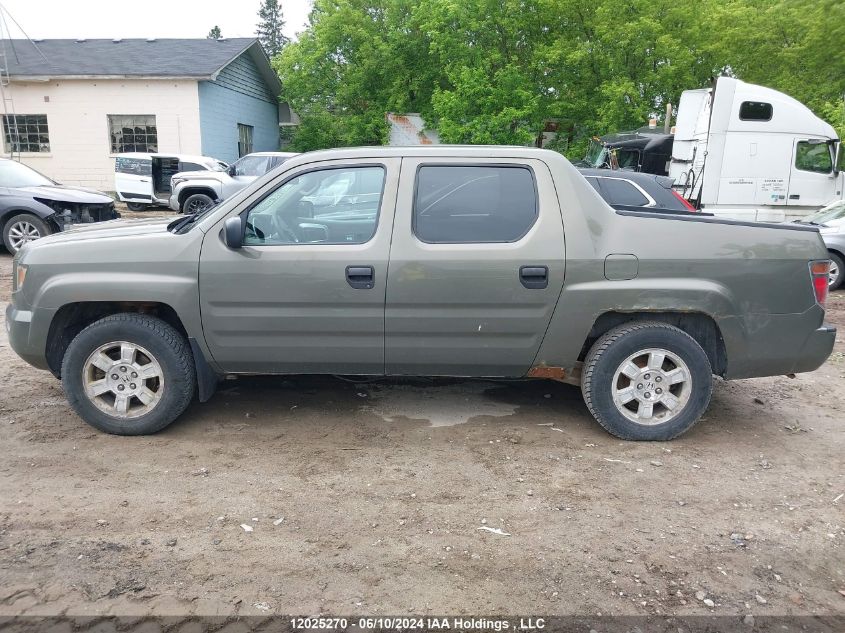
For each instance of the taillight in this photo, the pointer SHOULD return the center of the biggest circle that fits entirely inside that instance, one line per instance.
(820, 272)
(684, 202)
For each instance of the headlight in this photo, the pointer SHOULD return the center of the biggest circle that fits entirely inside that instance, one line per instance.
(176, 181)
(18, 276)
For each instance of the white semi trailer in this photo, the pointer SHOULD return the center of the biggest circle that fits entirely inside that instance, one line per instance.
(752, 153)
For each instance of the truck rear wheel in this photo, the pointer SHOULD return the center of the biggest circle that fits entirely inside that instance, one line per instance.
(647, 381)
(129, 374)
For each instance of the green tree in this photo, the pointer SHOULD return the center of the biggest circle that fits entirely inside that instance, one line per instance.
(493, 71)
(214, 33)
(270, 25)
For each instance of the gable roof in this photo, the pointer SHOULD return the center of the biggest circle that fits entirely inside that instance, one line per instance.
(200, 59)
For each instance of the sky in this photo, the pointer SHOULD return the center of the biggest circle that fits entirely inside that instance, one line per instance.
(144, 18)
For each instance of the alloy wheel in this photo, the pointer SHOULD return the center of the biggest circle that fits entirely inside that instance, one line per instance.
(123, 379)
(23, 232)
(652, 386)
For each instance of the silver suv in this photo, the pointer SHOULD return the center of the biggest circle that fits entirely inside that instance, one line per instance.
(195, 191)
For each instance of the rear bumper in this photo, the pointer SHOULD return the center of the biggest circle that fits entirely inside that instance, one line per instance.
(27, 333)
(817, 348)
(775, 345)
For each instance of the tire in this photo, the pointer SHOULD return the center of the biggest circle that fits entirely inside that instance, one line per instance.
(136, 206)
(23, 228)
(170, 391)
(675, 409)
(197, 203)
(837, 265)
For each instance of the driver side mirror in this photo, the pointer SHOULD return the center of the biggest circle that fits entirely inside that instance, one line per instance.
(232, 170)
(233, 232)
(839, 159)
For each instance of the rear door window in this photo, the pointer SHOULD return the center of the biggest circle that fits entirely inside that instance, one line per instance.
(624, 192)
(474, 204)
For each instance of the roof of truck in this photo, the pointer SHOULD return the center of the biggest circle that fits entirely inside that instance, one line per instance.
(513, 151)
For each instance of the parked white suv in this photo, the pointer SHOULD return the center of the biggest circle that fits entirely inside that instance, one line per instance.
(194, 192)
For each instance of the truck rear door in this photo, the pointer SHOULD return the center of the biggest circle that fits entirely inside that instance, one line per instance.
(476, 267)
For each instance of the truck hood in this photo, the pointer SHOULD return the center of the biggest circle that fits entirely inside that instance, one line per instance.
(107, 229)
(61, 193)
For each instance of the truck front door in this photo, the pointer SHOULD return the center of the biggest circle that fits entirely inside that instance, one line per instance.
(305, 294)
(476, 267)
(812, 182)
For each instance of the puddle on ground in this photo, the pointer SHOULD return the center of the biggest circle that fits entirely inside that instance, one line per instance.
(440, 405)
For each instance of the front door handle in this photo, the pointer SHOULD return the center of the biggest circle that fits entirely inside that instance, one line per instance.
(361, 277)
(534, 277)
(795, 196)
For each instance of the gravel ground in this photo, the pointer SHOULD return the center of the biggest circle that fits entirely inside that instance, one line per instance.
(311, 494)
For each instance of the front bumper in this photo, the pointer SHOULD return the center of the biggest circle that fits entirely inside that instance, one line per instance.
(27, 332)
(174, 202)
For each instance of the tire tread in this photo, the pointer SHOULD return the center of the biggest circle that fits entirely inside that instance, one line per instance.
(173, 339)
(599, 348)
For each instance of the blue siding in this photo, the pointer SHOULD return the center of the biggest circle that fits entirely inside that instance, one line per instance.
(238, 95)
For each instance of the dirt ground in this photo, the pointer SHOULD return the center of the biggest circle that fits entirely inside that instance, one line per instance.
(316, 495)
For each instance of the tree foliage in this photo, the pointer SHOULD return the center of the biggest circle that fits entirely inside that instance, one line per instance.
(493, 71)
(214, 33)
(270, 25)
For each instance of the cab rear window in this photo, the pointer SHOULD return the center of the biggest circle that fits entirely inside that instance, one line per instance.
(474, 204)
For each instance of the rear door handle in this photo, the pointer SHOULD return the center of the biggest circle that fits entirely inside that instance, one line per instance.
(361, 277)
(534, 277)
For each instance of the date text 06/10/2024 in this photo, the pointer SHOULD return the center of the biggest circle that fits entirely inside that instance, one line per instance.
(411, 623)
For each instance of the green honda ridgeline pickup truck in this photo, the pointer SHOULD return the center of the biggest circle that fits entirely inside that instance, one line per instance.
(437, 261)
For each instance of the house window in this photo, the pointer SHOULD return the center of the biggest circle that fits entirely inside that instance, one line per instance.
(244, 139)
(133, 133)
(26, 133)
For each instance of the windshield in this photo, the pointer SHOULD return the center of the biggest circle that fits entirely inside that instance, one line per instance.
(14, 174)
(830, 213)
(250, 166)
(596, 154)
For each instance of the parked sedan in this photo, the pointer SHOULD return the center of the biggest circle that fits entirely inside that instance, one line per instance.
(831, 223)
(622, 188)
(32, 205)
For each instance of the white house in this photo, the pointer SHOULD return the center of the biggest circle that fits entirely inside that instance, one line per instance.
(71, 105)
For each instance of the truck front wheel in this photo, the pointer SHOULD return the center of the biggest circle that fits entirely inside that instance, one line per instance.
(129, 374)
(647, 381)
(197, 203)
